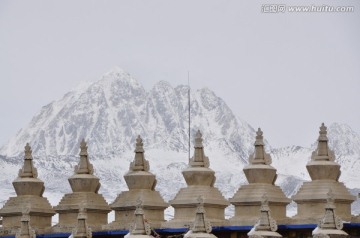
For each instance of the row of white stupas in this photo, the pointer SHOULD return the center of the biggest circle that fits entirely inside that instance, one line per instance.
(30, 208)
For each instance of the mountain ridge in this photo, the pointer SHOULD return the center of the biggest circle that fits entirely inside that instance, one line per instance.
(111, 112)
(163, 107)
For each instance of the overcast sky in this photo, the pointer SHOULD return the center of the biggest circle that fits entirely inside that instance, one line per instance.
(286, 72)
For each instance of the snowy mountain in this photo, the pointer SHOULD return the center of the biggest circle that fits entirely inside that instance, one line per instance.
(290, 162)
(111, 112)
(342, 140)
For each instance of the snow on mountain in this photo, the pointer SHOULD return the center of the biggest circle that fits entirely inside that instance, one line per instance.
(342, 140)
(111, 112)
(291, 161)
(346, 144)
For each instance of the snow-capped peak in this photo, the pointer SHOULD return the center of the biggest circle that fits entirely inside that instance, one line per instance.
(117, 71)
(343, 139)
(115, 109)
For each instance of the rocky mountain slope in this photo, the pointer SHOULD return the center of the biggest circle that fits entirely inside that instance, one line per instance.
(111, 112)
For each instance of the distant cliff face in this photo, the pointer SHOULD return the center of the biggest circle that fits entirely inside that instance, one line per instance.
(111, 112)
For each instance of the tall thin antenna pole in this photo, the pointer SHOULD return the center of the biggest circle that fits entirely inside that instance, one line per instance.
(189, 109)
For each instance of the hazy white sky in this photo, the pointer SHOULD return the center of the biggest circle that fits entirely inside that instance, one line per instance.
(286, 72)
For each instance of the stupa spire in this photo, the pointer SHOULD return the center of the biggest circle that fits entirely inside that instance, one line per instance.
(260, 156)
(330, 224)
(266, 222)
(140, 227)
(82, 230)
(28, 170)
(201, 225)
(199, 159)
(84, 166)
(139, 163)
(323, 152)
(330, 220)
(266, 225)
(25, 230)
